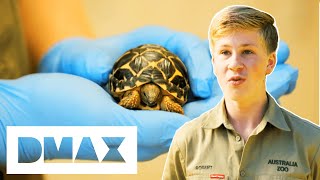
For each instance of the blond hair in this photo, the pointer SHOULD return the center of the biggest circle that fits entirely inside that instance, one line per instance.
(233, 18)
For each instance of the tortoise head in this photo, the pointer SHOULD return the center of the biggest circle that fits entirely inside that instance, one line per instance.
(150, 94)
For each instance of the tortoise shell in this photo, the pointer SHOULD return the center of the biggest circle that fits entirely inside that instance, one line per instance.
(149, 63)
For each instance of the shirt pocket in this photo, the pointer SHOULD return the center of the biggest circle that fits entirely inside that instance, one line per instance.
(277, 177)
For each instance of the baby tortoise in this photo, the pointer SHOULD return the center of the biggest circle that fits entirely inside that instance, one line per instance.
(149, 77)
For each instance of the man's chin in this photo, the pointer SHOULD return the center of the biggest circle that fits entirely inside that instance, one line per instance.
(236, 95)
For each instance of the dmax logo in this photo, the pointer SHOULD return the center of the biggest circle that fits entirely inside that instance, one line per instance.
(72, 142)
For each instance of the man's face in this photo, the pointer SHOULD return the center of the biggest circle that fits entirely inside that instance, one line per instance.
(241, 63)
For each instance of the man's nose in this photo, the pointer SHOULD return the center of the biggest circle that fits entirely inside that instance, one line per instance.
(235, 63)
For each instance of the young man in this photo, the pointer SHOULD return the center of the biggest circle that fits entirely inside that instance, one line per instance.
(247, 135)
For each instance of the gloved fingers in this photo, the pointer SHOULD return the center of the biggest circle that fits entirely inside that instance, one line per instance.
(55, 97)
(280, 86)
(283, 52)
(51, 61)
(78, 57)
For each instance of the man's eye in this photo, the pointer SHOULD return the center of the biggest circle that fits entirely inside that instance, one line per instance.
(247, 52)
(225, 52)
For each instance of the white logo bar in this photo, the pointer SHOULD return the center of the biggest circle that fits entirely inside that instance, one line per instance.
(127, 149)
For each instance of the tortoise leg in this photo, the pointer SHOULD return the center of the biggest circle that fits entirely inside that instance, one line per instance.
(130, 100)
(167, 104)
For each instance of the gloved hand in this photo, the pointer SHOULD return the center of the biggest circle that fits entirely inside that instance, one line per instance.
(56, 99)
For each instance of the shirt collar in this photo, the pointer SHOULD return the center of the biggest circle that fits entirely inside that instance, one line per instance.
(218, 116)
(274, 115)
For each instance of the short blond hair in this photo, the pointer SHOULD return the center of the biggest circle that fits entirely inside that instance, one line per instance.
(233, 18)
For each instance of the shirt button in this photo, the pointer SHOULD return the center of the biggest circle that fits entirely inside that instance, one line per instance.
(242, 173)
(238, 138)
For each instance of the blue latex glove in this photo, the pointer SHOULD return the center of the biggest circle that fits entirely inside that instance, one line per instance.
(59, 99)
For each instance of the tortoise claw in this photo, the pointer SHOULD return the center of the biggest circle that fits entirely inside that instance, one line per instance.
(167, 104)
(130, 100)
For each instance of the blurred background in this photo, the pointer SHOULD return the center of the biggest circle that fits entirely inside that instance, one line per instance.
(297, 22)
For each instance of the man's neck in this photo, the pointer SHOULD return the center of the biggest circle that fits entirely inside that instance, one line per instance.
(246, 114)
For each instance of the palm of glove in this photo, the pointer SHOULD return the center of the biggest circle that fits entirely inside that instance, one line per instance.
(60, 99)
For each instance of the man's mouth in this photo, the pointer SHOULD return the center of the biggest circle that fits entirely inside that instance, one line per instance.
(236, 80)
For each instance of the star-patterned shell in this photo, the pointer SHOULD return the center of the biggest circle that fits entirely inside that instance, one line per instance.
(150, 63)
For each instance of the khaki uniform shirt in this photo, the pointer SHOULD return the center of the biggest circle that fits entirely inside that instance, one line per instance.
(13, 55)
(283, 146)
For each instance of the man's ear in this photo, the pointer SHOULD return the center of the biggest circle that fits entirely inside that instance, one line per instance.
(272, 60)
